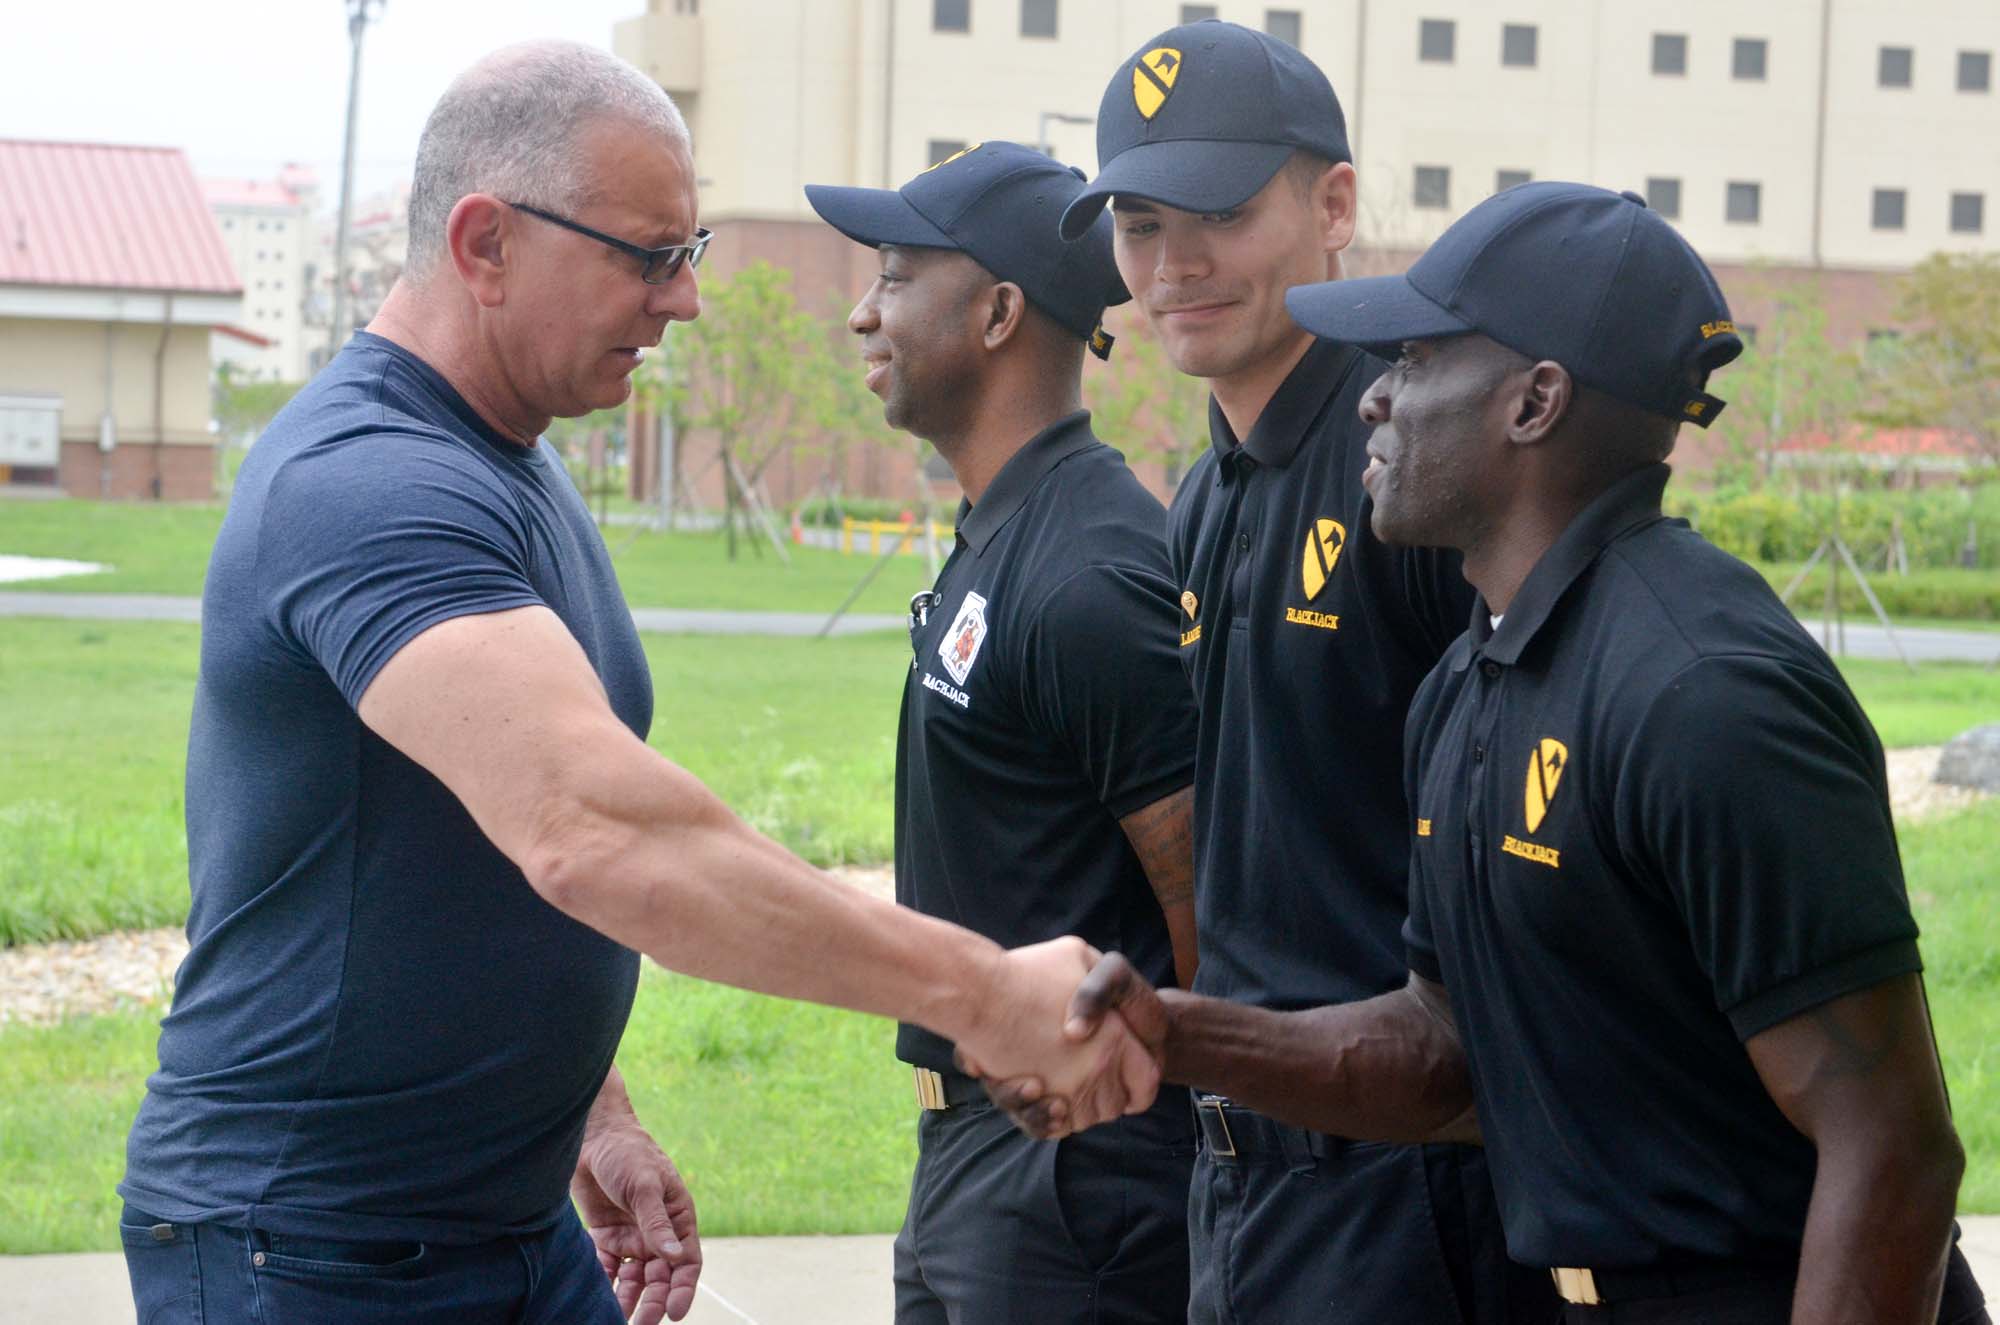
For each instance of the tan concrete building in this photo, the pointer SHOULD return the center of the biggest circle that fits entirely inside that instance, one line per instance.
(1834, 140)
(269, 226)
(112, 277)
(1850, 133)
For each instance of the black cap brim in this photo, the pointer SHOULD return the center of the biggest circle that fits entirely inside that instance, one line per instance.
(875, 217)
(1189, 174)
(1377, 313)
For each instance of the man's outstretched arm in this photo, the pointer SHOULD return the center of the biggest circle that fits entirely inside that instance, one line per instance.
(504, 709)
(1386, 1069)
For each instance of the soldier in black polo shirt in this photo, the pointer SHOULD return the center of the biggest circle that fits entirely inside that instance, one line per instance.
(1047, 737)
(1224, 154)
(1658, 929)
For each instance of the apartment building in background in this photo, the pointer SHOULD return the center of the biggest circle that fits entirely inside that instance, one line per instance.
(1839, 141)
(269, 227)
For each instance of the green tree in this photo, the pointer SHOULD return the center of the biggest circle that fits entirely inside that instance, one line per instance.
(1790, 380)
(1945, 371)
(1145, 406)
(243, 408)
(758, 373)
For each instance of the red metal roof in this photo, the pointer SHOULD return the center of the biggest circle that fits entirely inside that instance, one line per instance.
(1901, 442)
(245, 335)
(107, 217)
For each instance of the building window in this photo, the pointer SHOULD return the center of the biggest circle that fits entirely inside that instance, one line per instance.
(1510, 179)
(1887, 213)
(1285, 25)
(1433, 186)
(1436, 38)
(1746, 59)
(228, 223)
(1663, 195)
(1746, 203)
(687, 6)
(1975, 71)
(1893, 67)
(1517, 45)
(951, 15)
(1670, 53)
(1968, 213)
(1196, 13)
(940, 150)
(1038, 18)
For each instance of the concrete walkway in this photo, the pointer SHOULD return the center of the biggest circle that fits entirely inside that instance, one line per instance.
(762, 1281)
(666, 620)
(1921, 643)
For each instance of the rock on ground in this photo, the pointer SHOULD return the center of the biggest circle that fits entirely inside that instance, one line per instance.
(1972, 759)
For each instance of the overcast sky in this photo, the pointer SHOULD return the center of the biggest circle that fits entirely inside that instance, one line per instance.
(246, 85)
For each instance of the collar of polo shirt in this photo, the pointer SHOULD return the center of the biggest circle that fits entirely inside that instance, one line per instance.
(1630, 501)
(1017, 478)
(1296, 406)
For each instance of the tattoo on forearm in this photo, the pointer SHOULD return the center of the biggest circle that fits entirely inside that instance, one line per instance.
(1162, 836)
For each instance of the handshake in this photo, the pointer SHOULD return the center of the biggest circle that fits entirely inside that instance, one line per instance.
(1070, 1038)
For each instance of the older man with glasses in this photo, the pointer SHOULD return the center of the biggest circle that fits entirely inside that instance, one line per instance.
(425, 832)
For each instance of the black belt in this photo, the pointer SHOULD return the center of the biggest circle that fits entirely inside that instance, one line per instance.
(1595, 1287)
(947, 1089)
(1232, 1133)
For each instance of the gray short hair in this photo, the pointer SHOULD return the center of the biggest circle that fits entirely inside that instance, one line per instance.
(509, 126)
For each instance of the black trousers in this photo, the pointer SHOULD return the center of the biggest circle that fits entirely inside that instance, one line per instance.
(1769, 1304)
(1361, 1234)
(1091, 1229)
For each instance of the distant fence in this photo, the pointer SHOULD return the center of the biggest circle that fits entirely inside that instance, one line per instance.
(852, 531)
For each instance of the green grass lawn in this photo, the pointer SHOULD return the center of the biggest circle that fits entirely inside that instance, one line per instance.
(787, 1119)
(164, 550)
(784, 1117)
(1929, 707)
(797, 734)
(795, 1119)
(150, 548)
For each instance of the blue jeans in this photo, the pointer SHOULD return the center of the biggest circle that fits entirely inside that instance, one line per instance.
(216, 1274)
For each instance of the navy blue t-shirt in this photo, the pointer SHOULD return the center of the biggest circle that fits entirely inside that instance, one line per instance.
(380, 1031)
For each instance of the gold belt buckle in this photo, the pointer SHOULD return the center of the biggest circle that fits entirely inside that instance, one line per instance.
(1222, 1119)
(930, 1090)
(1578, 1286)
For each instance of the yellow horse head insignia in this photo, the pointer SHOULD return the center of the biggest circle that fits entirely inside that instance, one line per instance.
(1323, 544)
(1545, 770)
(963, 151)
(1153, 79)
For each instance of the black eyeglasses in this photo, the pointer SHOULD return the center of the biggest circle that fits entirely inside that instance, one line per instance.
(660, 264)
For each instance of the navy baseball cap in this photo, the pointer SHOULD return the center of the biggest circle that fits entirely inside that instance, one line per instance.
(1202, 117)
(1592, 279)
(998, 203)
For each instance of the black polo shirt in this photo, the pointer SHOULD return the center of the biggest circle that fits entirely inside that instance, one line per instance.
(1043, 705)
(1651, 822)
(1305, 639)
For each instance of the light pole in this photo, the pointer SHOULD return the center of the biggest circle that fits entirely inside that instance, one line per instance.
(358, 14)
(1056, 117)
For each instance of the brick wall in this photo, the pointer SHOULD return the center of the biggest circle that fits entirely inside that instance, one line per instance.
(133, 471)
